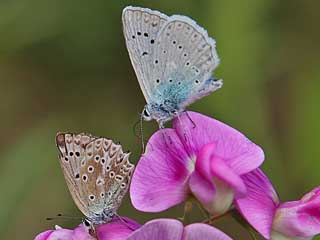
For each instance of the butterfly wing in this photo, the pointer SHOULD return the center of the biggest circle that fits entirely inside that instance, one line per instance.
(87, 171)
(140, 29)
(71, 153)
(108, 172)
(173, 57)
(183, 60)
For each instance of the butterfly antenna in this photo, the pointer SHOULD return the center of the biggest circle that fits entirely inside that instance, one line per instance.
(63, 217)
(139, 135)
(135, 133)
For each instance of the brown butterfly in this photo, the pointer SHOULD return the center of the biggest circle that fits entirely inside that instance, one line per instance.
(97, 172)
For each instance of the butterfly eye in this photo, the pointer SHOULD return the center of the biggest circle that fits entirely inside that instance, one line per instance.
(86, 222)
(146, 113)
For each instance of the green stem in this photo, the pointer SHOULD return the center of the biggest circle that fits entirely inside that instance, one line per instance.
(252, 233)
(245, 224)
(213, 218)
(187, 209)
(202, 209)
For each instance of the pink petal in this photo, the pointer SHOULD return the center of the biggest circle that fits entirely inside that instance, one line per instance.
(209, 165)
(299, 218)
(160, 229)
(309, 217)
(61, 234)
(44, 235)
(237, 150)
(202, 231)
(81, 233)
(260, 204)
(160, 179)
(201, 188)
(117, 230)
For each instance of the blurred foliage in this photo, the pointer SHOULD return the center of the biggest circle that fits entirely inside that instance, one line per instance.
(64, 67)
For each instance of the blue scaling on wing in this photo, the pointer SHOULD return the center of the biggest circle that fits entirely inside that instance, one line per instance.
(174, 59)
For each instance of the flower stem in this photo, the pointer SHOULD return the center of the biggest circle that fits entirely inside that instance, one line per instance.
(252, 233)
(187, 209)
(213, 218)
(245, 224)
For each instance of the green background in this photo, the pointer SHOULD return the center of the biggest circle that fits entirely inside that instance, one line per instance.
(64, 67)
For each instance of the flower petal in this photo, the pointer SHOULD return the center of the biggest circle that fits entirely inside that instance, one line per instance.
(202, 231)
(299, 218)
(81, 233)
(61, 234)
(201, 188)
(260, 204)
(44, 235)
(209, 165)
(160, 229)
(196, 130)
(117, 230)
(160, 179)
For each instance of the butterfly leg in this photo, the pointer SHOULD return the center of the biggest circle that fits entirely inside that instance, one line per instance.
(141, 133)
(167, 142)
(183, 128)
(124, 221)
(161, 124)
(193, 123)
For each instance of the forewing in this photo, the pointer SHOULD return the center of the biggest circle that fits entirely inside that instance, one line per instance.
(71, 154)
(183, 61)
(140, 29)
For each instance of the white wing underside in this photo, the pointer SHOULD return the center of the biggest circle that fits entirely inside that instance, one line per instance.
(165, 49)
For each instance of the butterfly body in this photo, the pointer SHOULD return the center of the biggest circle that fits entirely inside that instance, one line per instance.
(168, 100)
(173, 58)
(103, 217)
(97, 172)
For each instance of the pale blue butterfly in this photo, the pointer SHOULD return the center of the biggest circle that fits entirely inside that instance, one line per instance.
(173, 58)
(97, 172)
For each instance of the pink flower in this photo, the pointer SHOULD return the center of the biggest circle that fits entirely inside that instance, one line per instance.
(274, 220)
(171, 229)
(200, 155)
(160, 229)
(115, 230)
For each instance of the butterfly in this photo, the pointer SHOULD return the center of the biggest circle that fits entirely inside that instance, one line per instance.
(97, 172)
(173, 58)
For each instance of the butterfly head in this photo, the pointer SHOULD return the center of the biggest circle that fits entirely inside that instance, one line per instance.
(88, 224)
(104, 217)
